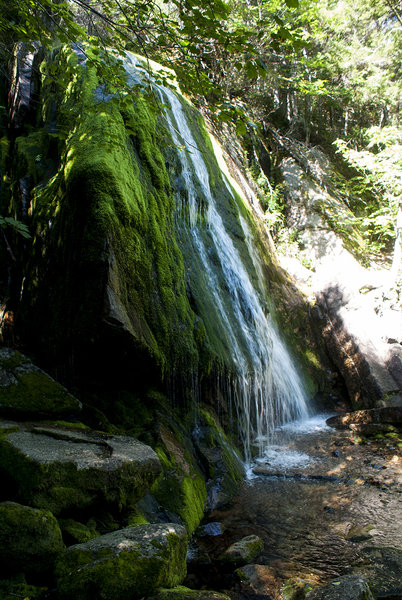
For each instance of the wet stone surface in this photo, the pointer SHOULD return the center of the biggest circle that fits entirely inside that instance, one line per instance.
(319, 501)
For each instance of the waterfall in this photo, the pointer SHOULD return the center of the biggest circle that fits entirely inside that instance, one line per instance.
(266, 387)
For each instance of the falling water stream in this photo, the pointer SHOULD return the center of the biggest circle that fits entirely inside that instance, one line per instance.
(309, 492)
(267, 390)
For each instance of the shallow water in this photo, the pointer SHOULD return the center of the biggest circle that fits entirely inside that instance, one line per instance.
(316, 498)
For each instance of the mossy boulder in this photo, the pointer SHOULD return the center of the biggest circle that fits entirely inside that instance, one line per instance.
(26, 390)
(220, 458)
(348, 587)
(183, 593)
(125, 564)
(181, 488)
(244, 551)
(75, 532)
(17, 587)
(30, 539)
(67, 470)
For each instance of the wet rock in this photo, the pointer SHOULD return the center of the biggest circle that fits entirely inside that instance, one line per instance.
(63, 470)
(212, 529)
(244, 551)
(390, 415)
(383, 570)
(184, 593)
(259, 579)
(220, 458)
(129, 563)
(27, 391)
(359, 533)
(30, 539)
(348, 587)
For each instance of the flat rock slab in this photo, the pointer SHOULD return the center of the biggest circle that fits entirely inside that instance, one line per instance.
(27, 391)
(61, 469)
(348, 587)
(125, 564)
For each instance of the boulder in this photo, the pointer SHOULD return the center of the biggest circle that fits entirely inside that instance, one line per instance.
(27, 391)
(383, 570)
(348, 587)
(244, 551)
(220, 458)
(125, 564)
(364, 420)
(66, 470)
(30, 539)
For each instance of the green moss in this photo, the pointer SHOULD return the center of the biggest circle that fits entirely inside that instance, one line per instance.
(17, 587)
(74, 532)
(181, 493)
(227, 466)
(136, 518)
(128, 572)
(112, 191)
(184, 593)
(36, 392)
(30, 539)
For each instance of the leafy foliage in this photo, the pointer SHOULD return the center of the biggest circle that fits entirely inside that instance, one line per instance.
(380, 173)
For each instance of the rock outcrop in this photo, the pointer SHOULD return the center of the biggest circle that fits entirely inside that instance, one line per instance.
(66, 470)
(357, 310)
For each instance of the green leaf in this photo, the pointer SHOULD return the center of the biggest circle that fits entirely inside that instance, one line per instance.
(292, 3)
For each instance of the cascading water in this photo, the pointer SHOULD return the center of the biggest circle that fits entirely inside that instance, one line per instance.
(266, 386)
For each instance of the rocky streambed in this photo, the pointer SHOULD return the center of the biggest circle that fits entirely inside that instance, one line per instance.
(327, 505)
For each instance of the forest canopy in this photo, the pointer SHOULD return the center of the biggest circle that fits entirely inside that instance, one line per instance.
(324, 72)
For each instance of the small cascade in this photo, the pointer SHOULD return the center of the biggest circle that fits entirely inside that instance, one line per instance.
(267, 388)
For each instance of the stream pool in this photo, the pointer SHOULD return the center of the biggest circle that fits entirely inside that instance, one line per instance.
(317, 498)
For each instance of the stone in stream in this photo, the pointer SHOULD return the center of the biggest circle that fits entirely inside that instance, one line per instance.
(30, 540)
(27, 391)
(61, 469)
(244, 551)
(125, 564)
(348, 587)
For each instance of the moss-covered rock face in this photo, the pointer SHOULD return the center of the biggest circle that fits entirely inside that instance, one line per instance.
(220, 458)
(181, 487)
(69, 471)
(30, 540)
(103, 232)
(26, 390)
(125, 564)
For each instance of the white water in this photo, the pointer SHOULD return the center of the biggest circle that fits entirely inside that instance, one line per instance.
(266, 386)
